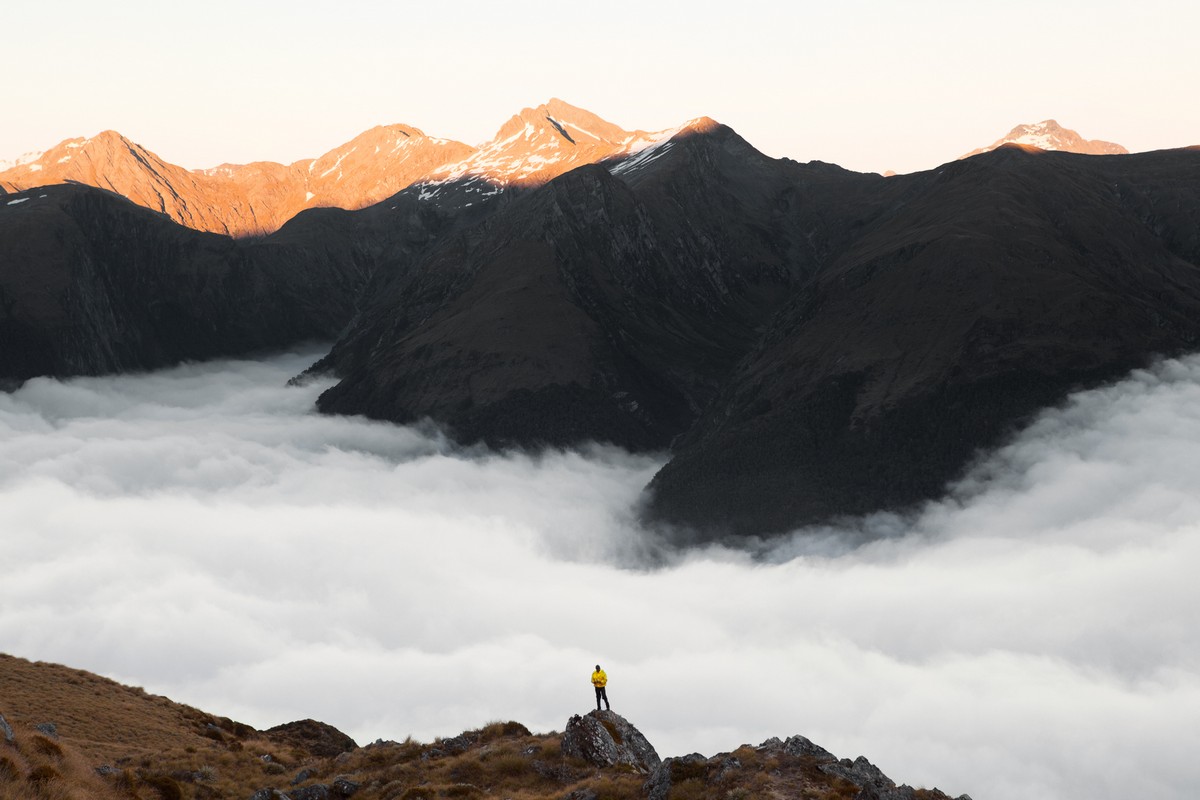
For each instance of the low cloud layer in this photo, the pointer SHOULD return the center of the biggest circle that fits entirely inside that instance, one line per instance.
(201, 533)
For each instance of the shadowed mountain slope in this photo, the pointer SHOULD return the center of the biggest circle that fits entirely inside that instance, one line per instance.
(808, 342)
(993, 289)
(91, 283)
(601, 306)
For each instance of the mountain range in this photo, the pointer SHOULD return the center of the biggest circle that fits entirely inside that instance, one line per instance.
(534, 146)
(253, 199)
(804, 342)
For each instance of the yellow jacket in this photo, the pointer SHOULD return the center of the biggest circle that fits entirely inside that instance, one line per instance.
(599, 678)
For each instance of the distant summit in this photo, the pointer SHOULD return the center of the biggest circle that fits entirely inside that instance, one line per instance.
(1049, 135)
(534, 147)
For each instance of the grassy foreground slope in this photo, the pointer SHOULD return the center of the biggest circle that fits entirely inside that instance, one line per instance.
(78, 736)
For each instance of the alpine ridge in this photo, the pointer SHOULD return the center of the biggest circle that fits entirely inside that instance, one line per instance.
(533, 147)
(246, 199)
(804, 342)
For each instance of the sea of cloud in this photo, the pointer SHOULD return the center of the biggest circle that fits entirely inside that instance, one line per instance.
(202, 533)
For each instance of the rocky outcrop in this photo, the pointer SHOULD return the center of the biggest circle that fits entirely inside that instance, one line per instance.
(606, 739)
(317, 738)
(793, 768)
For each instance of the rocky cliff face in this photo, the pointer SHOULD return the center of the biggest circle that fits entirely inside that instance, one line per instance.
(607, 739)
(1049, 135)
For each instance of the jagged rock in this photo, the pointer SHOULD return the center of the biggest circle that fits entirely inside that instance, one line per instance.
(859, 771)
(47, 728)
(796, 746)
(302, 776)
(582, 794)
(658, 786)
(104, 770)
(344, 787)
(317, 791)
(318, 738)
(788, 767)
(6, 729)
(267, 793)
(605, 739)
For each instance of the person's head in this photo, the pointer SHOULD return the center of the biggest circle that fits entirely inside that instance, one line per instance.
(597, 668)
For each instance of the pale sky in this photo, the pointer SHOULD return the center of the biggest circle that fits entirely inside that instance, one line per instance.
(869, 85)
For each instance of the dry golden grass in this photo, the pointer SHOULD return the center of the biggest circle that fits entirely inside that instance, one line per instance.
(154, 749)
(35, 767)
(98, 717)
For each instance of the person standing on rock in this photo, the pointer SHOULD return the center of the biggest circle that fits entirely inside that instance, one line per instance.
(600, 680)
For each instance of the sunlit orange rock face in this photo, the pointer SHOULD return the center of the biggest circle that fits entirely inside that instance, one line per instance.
(533, 147)
(242, 199)
(110, 161)
(540, 144)
(369, 168)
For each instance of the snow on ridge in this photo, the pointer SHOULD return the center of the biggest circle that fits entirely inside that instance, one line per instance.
(21, 160)
(584, 131)
(18, 200)
(641, 150)
(336, 164)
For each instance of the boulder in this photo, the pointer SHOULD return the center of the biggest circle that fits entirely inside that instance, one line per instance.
(318, 738)
(344, 787)
(6, 729)
(658, 786)
(606, 739)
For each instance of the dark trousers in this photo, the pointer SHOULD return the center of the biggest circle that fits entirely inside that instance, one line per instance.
(601, 694)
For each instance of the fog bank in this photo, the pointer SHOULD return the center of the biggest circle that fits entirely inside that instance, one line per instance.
(201, 533)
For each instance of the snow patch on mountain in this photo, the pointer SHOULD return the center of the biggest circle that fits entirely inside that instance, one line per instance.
(1049, 135)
